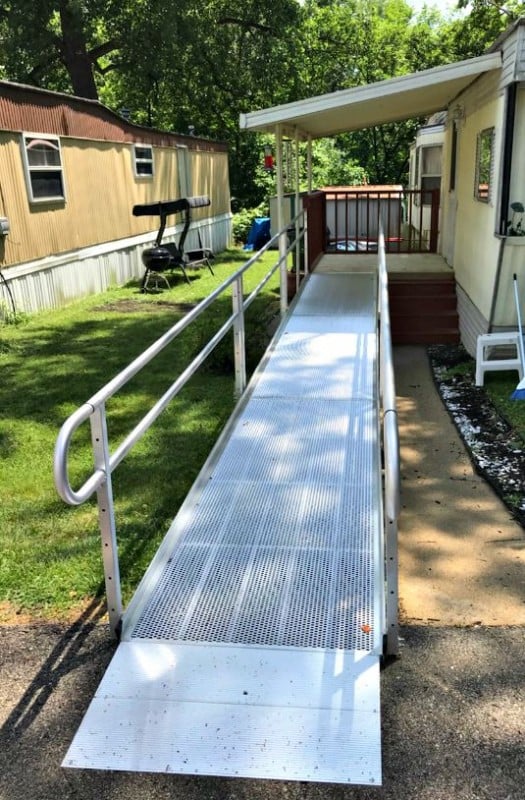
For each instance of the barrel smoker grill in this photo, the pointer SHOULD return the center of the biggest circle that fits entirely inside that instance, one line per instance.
(170, 255)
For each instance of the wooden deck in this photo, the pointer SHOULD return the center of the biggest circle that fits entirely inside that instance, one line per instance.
(396, 263)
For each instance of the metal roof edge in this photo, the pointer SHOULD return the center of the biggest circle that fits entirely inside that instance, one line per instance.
(96, 108)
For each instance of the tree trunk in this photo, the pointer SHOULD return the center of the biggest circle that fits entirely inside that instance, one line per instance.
(74, 52)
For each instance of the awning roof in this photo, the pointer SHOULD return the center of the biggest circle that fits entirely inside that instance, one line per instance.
(406, 97)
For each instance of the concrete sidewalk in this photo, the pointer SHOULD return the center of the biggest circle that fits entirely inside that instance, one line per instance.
(453, 703)
(462, 557)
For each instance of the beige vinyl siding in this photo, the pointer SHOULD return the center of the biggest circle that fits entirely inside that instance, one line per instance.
(476, 246)
(101, 190)
(209, 176)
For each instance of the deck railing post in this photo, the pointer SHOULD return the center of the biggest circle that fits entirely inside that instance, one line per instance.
(434, 221)
(239, 344)
(106, 517)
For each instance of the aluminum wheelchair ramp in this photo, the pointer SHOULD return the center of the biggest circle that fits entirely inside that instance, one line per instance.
(251, 647)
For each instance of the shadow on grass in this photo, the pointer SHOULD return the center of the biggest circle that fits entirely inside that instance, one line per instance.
(57, 368)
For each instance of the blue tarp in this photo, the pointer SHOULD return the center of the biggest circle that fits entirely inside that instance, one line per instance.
(259, 234)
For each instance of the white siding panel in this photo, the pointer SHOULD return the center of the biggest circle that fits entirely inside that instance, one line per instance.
(520, 54)
(481, 92)
(471, 322)
(510, 56)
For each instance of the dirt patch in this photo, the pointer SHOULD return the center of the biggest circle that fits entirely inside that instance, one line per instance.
(12, 615)
(130, 306)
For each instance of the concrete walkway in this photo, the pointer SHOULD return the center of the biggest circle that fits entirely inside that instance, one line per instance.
(462, 557)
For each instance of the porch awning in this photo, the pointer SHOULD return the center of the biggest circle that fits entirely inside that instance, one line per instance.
(417, 95)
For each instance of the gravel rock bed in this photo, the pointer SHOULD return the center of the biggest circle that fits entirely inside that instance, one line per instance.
(496, 450)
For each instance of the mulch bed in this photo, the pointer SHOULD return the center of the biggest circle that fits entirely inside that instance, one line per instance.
(496, 450)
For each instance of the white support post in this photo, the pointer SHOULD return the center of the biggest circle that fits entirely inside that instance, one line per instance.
(239, 337)
(310, 188)
(283, 245)
(106, 517)
(309, 162)
(298, 242)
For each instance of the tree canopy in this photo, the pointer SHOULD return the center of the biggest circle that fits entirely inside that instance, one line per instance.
(196, 65)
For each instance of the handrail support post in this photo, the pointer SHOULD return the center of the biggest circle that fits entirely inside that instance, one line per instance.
(106, 517)
(239, 338)
(387, 397)
(392, 590)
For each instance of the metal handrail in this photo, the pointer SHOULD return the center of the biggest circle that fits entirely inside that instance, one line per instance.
(388, 393)
(94, 410)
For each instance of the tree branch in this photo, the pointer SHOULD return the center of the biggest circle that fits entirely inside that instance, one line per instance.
(103, 49)
(244, 24)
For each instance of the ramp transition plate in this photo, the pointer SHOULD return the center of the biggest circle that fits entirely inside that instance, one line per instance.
(267, 713)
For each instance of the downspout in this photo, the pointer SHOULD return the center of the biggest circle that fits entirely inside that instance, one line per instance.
(510, 115)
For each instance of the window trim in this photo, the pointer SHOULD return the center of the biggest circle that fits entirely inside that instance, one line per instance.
(426, 194)
(482, 198)
(141, 160)
(31, 169)
(421, 198)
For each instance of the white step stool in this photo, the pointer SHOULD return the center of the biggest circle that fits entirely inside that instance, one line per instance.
(486, 364)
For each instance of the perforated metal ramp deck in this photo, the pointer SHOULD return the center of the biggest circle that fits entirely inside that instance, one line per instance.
(252, 645)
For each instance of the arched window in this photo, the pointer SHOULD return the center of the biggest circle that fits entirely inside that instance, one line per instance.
(43, 168)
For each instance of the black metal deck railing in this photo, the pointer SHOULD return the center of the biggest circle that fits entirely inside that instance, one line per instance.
(410, 219)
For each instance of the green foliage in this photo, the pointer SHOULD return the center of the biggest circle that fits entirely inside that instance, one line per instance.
(243, 219)
(485, 21)
(202, 62)
(332, 166)
(500, 388)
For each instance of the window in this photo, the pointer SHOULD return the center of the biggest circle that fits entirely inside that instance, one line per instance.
(143, 160)
(43, 168)
(430, 172)
(484, 165)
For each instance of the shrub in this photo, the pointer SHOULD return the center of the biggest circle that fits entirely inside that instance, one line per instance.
(242, 221)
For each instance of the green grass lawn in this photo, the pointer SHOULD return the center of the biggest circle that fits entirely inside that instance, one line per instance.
(50, 363)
